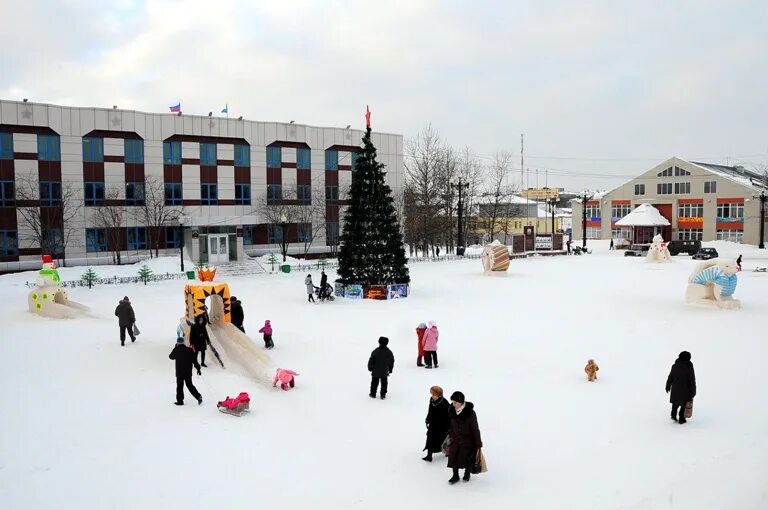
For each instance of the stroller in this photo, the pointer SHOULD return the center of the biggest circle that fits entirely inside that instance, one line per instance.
(324, 294)
(578, 250)
(235, 406)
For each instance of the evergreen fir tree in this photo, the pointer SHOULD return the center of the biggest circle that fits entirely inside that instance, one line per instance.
(144, 273)
(371, 246)
(89, 277)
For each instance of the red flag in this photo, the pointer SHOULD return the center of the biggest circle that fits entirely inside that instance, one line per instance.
(367, 117)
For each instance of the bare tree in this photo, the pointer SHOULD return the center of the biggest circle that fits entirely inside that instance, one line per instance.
(155, 214)
(110, 217)
(277, 212)
(312, 214)
(43, 219)
(470, 171)
(497, 195)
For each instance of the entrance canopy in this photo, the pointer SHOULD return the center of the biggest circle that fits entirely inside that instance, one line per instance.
(644, 215)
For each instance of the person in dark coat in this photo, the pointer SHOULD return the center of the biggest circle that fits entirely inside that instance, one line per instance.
(236, 313)
(681, 385)
(198, 338)
(126, 318)
(323, 279)
(438, 422)
(380, 365)
(738, 262)
(465, 437)
(185, 358)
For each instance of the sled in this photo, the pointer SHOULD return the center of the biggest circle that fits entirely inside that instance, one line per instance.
(237, 406)
(761, 270)
(234, 412)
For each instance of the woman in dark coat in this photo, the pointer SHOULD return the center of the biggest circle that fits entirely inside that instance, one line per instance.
(198, 338)
(681, 385)
(465, 437)
(438, 422)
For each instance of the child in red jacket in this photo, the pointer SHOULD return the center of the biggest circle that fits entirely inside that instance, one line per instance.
(420, 329)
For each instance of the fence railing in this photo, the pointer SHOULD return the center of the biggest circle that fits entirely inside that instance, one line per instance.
(116, 280)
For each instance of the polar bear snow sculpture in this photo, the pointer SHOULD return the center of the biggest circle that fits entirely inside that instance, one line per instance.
(713, 282)
(658, 252)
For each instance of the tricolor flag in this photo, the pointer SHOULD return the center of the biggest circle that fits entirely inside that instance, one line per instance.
(225, 109)
(367, 117)
(176, 108)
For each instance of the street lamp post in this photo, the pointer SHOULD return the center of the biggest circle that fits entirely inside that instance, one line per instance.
(762, 197)
(553, 203)
(283, 224)
(460, 234)
(181, 241)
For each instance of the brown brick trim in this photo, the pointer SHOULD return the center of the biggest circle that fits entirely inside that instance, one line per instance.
(345, 167)
(114, 159)
(30, 251)
(30, 130)
(287, 165)
(192, 202)
(206, 139)
(27, 156)
(105, 133)
(226, 202)
(290, 145)
(190, 161)
(27, 203)
(349, 148)
(225, 162)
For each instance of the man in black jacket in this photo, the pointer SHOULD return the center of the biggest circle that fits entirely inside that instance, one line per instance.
(236, 313)
(126, 317)
(185, 359)
(380, 365)
(681, 385)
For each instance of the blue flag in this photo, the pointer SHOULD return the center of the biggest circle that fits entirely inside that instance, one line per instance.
(225, 109)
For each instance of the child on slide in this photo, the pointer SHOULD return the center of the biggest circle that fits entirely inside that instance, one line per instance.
(267, 331)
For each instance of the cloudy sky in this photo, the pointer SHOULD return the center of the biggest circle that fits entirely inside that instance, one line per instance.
(601, 89)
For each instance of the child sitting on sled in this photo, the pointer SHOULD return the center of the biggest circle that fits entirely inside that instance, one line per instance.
(285, 377)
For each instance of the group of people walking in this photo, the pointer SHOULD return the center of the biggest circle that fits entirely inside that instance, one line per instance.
(323, 289)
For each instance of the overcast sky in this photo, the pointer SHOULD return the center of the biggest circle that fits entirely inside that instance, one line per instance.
(602, 90)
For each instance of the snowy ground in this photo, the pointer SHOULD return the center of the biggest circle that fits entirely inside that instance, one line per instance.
(90, 425)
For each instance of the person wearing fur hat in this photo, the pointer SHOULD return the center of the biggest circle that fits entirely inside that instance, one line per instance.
(438, 422)
(236, 313)
(380, 365)
(681, 385)
(465, 437)
(185, 359)
(430, 345)
(420, 330)
(125, 318)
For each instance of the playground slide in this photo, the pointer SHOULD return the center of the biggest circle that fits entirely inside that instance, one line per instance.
(239, 352)
(50, 301)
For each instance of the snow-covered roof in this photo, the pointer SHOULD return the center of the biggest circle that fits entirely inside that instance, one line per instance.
(515, 199)
(737, 174)
(596, 195)
(644, 215)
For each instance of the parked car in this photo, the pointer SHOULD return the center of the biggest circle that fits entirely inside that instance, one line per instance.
(637, 250)
(689, 247)
(706, 254)
(621, 243)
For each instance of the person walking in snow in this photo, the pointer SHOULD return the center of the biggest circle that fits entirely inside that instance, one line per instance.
(465, 437)
(738, 262)
(185, 359)
(420, 330)
(180, 329)
(310, 288)
(611, 247)
(681, 385)
(380, 365)
(267, 331)
(236, 313)
(323, 280)
(126, 319)
(430, 345)
(198, 338)
(438, 422)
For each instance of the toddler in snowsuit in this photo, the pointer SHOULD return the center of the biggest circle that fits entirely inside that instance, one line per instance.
(285, 377)
(591, 370)
(430, 345)
(267, 331)
(420, 330)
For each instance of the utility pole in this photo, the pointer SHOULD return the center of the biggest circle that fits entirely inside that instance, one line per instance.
(584, 199)
(762, 197)
(552, 203)
(460, 234)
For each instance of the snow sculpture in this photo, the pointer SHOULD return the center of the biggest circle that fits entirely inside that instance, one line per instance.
(658, 252)
(48, 298)
(495, 257)
(713, 282)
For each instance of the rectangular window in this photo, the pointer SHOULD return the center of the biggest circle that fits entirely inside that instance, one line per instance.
(134, 151)
(95, 240)
(242, 194)
(710, 186)
(274, 157)
(209, 194)
(680, 172)
(248, 234)
(305, 232)
(664, 188)
(331, 160)
(50, 193)
(594, 233)
(730, 212)
(666, 173)
(6, 148)
(208, 154)
(134, 193)
(355, 157)
(137, 238)
(53, 239)
(173, 193)
(274, 193)
(690, 211)
(593, 212)
(48, 148)
(621, 233)
(274, 234)
(172, 237)
(690, 234)
(94, 193)
(331, 193)
(93, 150)
(304, 194)
(639, 189)
(735, 236)
(332, 233)
(172, 153)
(7, 193)
(9, 243)
(242, 155)
(682, 188)
(303, 159)
(618, 211)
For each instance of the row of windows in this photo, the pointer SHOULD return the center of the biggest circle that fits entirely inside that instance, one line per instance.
(48, 147)
(593, 211)
(621, 233)
(676, 171)
(690, 211)
(730, 211)
(619, 211)
(735, 236)
(690, 234)
(680, 188)
(697, 234)
(137, 239)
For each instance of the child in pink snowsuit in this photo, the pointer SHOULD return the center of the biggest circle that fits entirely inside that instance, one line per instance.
(430, 345)
(267, 330)
(285, 377)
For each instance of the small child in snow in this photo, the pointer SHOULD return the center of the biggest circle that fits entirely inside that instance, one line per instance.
(285, 377)
(591, 370)
(429, 343)
(267, 331)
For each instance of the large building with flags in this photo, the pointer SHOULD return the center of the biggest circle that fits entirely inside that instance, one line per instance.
(87, 184)
(700, 201)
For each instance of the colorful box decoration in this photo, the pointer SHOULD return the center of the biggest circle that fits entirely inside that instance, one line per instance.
(353, 291)
(338, 289)
(375, 292)
(397, 291)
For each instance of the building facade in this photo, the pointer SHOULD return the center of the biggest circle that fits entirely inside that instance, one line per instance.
(702, 201)
(229, 186)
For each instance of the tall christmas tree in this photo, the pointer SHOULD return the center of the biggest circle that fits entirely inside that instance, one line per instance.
(371, 251)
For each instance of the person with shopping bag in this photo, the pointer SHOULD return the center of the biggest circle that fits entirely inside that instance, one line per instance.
(126, 319)
(681, 386)
(464, 438)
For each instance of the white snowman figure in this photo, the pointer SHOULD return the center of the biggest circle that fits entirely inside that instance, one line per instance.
(48, 275)
(658, 252)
